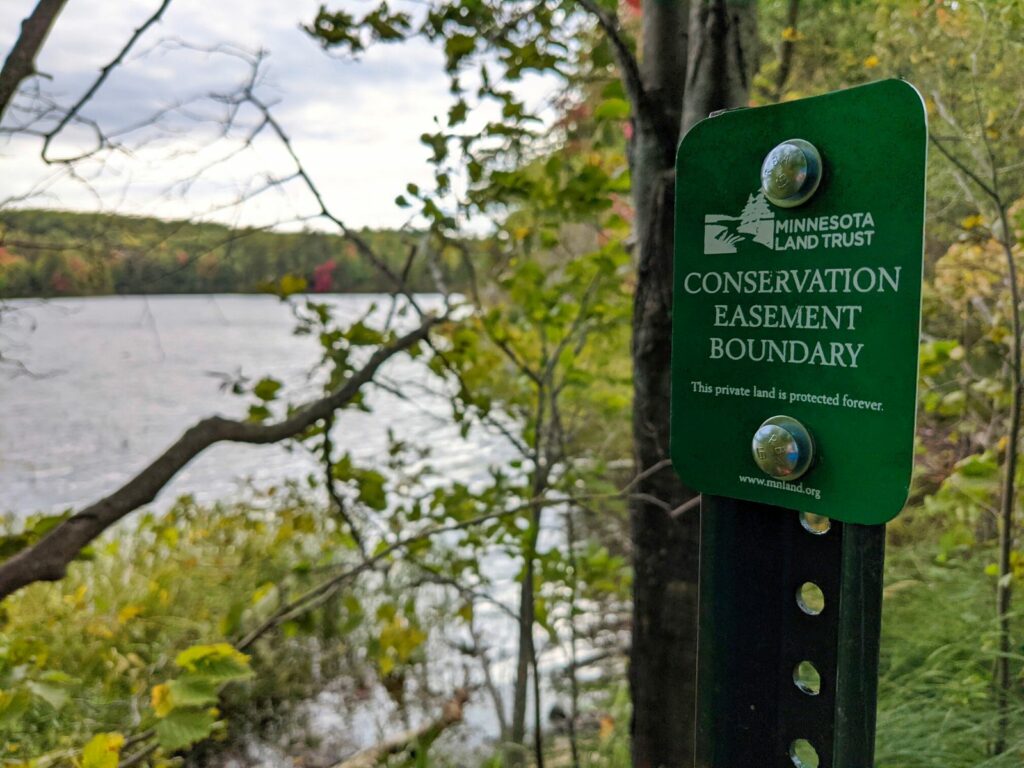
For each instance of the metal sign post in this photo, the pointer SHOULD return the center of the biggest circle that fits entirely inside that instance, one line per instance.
(799, 241)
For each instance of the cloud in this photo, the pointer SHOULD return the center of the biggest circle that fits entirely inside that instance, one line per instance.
(356, 124)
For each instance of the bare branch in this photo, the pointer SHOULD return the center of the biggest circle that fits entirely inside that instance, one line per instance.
(72, 113)
(962, 167)
(327, 456)
(413, 739)
(353, 237)
(47, 560)
(21, 61)
(316, 595)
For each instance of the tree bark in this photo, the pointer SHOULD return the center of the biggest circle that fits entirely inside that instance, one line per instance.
(21, 61)
(787, 49)
(713, 60)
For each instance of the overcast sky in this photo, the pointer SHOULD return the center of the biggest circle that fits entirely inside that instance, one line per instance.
(355, 124)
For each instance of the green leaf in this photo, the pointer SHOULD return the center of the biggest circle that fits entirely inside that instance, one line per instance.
(361, 335)
(232, 620)
(612, 109)
(266, 389)
(54, 695)
(456, 48)
(371, 490)
(183, 728)
(219, 662)
(258, 413)
(288, 285)
(13, 705)
(457, 114)
(192, 691)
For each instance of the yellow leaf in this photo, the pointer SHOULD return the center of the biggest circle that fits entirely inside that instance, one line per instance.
(871, 61)
(607, 727)
(128, 613)
(103, 751)
(160, 699)
(972, 221)
(791, 35)
(78, 598)
(99, 629)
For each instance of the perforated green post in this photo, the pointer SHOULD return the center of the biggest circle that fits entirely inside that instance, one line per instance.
(799, 242)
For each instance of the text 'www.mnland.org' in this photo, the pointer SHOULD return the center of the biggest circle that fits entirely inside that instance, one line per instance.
(770, 482)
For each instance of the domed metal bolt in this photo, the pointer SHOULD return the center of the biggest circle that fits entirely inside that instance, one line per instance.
(782, 448)
(790, 173)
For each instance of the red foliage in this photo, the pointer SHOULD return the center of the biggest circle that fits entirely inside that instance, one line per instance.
(60, 283)
(323, 277)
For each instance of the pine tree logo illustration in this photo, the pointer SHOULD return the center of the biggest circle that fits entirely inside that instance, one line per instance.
(723, 232)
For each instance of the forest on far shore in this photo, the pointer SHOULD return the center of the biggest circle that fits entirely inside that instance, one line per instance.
(46, 253)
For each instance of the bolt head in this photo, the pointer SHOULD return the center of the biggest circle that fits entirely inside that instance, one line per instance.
(782, 448)
(790, 173)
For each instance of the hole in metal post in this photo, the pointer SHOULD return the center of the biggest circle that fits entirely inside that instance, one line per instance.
(807, 678)
(803, 754)
(810, 598)
(819, 525)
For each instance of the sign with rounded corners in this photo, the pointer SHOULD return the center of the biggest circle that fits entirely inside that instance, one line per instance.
(797, 279)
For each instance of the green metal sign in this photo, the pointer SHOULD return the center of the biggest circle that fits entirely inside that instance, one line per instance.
(799, 242)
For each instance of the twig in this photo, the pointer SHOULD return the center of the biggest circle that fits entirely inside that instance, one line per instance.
(420, 737)
(72, 113)
(298, 605)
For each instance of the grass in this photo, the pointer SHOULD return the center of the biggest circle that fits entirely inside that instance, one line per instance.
(939, 644)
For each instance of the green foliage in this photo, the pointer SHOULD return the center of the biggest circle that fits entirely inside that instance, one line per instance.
(86, 653)
(29, 532)
(939, 643)
(183, 727)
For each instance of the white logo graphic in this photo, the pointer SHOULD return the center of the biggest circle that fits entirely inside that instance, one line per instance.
(722, 232)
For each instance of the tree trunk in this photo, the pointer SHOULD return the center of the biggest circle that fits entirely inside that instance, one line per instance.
(21, 61)
(685, 78)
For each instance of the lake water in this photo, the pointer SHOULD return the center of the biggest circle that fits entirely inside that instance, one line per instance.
(117, 379)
